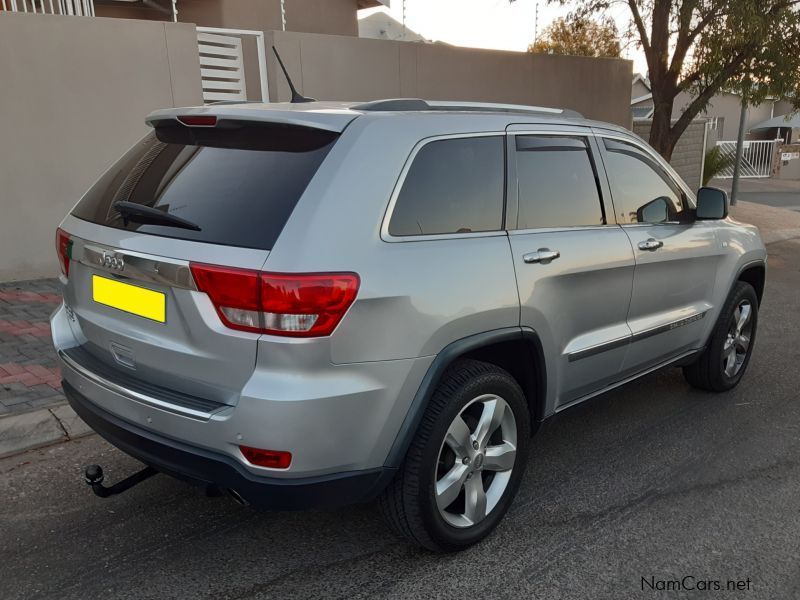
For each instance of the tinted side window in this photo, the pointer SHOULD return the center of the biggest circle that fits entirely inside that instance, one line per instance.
(641, 190)
(453, 186)
(557, 182)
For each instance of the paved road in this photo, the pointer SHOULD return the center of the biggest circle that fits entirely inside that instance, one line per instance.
(654, 480)
(790, 200)
(772, 192)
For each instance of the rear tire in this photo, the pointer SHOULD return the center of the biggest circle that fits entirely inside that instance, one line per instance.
(465, 463)
(724, 361)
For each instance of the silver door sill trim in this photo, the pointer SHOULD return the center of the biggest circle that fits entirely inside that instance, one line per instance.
(131, 394)
(622, 382)
(619, 342)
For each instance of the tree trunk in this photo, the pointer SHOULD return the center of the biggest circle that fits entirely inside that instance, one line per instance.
(661, 138)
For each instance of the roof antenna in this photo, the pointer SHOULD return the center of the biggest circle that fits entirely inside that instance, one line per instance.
(296, 97)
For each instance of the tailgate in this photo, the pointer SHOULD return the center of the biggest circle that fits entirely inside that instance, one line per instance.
(219, 195)
(140, 314)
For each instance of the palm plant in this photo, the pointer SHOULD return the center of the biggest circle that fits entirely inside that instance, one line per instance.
(715, 163)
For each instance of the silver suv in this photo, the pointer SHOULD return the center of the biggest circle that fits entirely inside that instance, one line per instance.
(319, 304)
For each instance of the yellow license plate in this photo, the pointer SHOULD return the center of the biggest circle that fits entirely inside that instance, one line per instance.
(130, 298)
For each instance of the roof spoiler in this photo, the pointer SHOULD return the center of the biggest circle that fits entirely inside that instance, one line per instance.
(331, 120)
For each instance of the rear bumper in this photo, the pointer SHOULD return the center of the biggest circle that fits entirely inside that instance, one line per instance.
(332, 418)
(199, 465)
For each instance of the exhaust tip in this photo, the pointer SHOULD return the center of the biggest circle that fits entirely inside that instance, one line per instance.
(237, 497)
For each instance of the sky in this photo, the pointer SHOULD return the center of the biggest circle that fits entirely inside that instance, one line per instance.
(499, 24)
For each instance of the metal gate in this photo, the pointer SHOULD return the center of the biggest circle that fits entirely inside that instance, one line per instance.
(79, 8)
(757, 158)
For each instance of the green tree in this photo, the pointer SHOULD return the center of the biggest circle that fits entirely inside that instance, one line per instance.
(704, 46)
(579, 36)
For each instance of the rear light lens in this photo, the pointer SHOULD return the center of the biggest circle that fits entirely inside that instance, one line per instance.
(234, 293)
(64, 250)
(198, 120)
(273, 459)
(296, 305)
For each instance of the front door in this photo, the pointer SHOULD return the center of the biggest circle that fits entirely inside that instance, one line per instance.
(574, 266)
(676, 257)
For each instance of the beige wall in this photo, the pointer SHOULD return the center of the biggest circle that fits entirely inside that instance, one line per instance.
(68, 110)
(782, 107)
(789, 169)
(338, 17)
(343, 68)
(689, 153)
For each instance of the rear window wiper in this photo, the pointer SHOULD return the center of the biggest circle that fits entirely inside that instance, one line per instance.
(139, 213)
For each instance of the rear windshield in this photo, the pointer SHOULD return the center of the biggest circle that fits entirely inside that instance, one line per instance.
(238, 183)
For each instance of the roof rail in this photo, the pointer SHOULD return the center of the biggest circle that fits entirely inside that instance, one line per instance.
(417, 104)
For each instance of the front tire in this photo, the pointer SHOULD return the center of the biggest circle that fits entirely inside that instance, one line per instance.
(722, 364)
(465, 462)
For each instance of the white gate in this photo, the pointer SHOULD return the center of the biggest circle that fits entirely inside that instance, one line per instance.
(222, 64)
(78, 8)
(757, 158)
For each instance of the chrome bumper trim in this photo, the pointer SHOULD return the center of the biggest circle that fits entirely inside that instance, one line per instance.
(132, 394)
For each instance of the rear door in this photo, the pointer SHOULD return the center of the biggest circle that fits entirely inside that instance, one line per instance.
(676, 256)
(130, 289)
(574, 265)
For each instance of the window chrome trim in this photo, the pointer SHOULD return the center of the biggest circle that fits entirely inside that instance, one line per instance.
(560, 229)
(387, 217)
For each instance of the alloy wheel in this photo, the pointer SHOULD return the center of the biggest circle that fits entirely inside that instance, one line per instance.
(737, 342)
(475, 461)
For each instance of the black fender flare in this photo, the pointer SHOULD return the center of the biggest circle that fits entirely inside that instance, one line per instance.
(444, 359)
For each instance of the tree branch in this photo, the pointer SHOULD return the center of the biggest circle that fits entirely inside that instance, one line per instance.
(699, 102)
(639, 22)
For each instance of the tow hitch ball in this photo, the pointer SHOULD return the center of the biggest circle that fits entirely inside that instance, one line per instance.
(94, 479)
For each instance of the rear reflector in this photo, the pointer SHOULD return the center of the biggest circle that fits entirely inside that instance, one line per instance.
(273, 459)
(63, 250)
(296, 305)
(198, 120)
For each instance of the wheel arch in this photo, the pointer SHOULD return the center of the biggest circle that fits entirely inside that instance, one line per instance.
(515, 349)
(754, 273)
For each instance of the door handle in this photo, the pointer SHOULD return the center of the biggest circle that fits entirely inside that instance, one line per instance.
(542, 255)
(650, 244)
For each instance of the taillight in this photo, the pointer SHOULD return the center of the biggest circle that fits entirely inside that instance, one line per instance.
(64, 250)
(198, 120)
(234, 293)
(297, 305)
(273, 459)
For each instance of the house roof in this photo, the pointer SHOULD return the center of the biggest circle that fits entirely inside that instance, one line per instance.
(792, 121)
(641, 78)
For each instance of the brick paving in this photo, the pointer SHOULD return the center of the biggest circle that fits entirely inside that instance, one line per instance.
(29, 375)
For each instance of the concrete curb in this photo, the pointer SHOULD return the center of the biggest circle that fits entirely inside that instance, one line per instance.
(37, 428)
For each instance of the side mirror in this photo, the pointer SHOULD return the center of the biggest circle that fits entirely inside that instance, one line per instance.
(712, 203)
